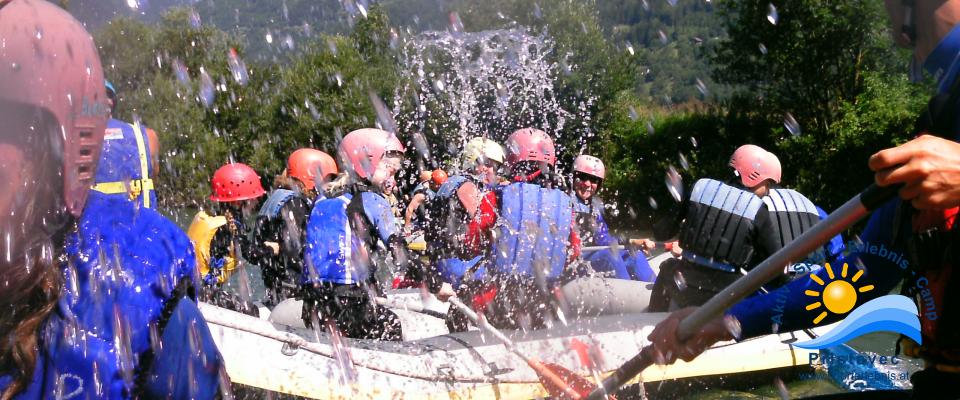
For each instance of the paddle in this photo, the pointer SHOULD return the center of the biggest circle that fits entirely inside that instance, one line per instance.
(845, 216)
(559, 382)
(383, 301)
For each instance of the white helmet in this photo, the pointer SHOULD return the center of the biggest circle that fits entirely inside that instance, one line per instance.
(481, 147)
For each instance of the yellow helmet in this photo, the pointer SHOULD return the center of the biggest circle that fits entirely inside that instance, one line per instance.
(481, 147)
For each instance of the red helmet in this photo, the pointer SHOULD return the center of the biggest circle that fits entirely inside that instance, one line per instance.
(364, 148)
(755, 165)
(53, 109)
(438, 177)
(530, 144)
(589, 165)
(304, 164)
(236, 182)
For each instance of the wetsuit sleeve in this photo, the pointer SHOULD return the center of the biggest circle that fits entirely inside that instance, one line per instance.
(379, 213)
(602, 236)
(785, 307)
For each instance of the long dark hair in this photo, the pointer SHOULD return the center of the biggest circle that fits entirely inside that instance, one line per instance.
(32, 289)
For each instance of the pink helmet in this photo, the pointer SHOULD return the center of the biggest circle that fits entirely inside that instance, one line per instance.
(755, 165)
(53, 109)
(236, 182)
(530, 144)
(364, 148)
(589, 165)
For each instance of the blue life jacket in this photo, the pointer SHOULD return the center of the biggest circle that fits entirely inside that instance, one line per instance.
(276, 200)
(341, 235)
(125, 170)
(622, 264)
(533, 230)
(125, 266)
(592, 227)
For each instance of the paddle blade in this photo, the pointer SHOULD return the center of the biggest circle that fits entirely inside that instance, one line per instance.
(574, 383)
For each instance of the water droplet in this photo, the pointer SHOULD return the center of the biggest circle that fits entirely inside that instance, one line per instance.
(683, 161)
(693, 141)
(288, 42)
(180, 71)
(439, 85)
(772, 15)
(39, 33)
(702, 88)
(646, 5)
(237, 67)
(134, 4)
(663, 37)
(269, 37)
(537, 12)
(652, 202)
(633, 113)
(672, 3)
(456, 25)
(781, 387)
(674, 183)
(194, 19)
(207, 91)
(679, 281)
(650, 129)
(763, 49)
(733, 325)
(630, 48)
(791, 124)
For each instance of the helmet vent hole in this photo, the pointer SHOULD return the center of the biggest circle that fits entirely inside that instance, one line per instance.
(86, 134)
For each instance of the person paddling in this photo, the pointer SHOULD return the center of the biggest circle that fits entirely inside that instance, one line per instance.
(99, 291)
(589, 173)
(462, 217)
(282, 221)
(343, 240)
(221, 240)
(725, 227)
(920, 225)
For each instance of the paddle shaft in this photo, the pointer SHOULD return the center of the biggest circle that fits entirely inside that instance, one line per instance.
(537, 366)
(383, 301)
(845, 216)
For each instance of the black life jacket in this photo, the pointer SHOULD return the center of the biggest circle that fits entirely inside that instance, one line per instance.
(719, 225)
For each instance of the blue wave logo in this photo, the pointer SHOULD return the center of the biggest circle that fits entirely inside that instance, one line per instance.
(890, 313)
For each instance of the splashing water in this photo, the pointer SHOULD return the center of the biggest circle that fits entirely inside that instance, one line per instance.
(674, 183)
(772, 16)
(207, 91)
(179, 70)
(484, 84)
(237, 68)
(762, 48)
(348, 372)
(702, 88)
(791, 124)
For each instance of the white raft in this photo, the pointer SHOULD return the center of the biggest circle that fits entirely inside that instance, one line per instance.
(433, 364)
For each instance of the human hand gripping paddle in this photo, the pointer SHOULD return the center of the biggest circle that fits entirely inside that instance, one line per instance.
(696, 319)
(559, 382)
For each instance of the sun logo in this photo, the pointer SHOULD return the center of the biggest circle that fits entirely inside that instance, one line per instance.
(839, 296)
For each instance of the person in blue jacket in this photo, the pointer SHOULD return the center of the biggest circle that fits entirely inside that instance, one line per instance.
(343, 234)
(588, 176)
(910, 240)
(127, 166)
(99, 290)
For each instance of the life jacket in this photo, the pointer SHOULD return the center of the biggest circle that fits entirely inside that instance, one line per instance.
(201, 232)
(342, 232)
(590, 224)
(792, 214)
(128, 272)
(447, 221)
(275, 201)
(533, 233)
(124, 169)
(719, 225)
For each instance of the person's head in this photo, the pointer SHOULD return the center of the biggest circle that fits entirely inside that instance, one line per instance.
(588, 174)
(374, 155)
(54, 113)
(756, 168)
(236, 186)
(483, 157)
(111, 96)
(425, 176)
(311, 167)
(437, 177)
(530, 154)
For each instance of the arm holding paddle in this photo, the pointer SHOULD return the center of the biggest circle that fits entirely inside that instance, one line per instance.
(929, 170)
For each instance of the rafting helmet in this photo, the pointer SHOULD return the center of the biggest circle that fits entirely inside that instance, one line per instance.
(589, 165)
(438, 177)
(530, 144)
(481, 147)
(754, 165)
(365, 148)
(54, 112)
(235, 182)
(309, 164)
